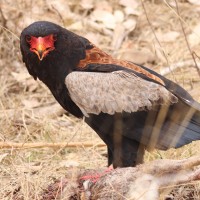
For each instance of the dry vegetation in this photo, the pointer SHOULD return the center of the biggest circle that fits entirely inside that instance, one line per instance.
(29, 113)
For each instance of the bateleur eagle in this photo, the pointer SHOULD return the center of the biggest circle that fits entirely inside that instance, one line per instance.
(131, 107)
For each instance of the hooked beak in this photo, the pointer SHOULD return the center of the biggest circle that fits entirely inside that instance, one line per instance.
(41, 50)
(40, 54)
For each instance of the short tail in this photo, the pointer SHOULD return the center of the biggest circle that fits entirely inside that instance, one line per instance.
(182, 126)
(191, 131)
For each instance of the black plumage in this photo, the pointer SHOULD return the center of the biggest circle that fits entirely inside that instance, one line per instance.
(162, 114)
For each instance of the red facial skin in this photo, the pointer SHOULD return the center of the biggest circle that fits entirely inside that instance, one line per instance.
(41, 46)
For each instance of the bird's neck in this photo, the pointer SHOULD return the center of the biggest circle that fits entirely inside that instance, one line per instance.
(53, 73)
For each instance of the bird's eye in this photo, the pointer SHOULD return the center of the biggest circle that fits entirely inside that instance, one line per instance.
(28, 38)
(54, 37)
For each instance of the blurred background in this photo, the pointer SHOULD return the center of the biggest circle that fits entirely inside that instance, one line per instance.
(161, 34)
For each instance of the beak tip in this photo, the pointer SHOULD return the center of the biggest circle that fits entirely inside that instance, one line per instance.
(40, 55)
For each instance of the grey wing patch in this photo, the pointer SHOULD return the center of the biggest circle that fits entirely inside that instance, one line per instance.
(115, 92)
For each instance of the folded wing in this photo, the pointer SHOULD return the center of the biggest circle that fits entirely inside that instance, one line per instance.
(118, 91)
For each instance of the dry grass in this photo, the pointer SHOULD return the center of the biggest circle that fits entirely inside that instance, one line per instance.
(24, 114)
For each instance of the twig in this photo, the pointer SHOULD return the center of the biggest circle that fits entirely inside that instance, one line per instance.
(163, 52)
(185, 36)
(9, 145)
(59, 14)
(9, 31)
(97, 27)
(3, 18)
(180, 18)
(174, 66)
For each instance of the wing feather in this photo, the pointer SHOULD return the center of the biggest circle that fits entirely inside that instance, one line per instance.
(118, 91)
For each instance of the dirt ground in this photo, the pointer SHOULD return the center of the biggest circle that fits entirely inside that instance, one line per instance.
(154, 33)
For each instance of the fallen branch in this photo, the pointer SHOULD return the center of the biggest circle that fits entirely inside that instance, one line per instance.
(165, 71)
(14, 145)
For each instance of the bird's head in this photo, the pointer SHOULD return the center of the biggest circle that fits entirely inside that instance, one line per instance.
(48, 48)
(41, 46)
(40, 38)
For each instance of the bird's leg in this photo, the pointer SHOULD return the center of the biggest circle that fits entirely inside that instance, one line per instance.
(110, 156)
(117, 141)
(126, 151)
(132, 152)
